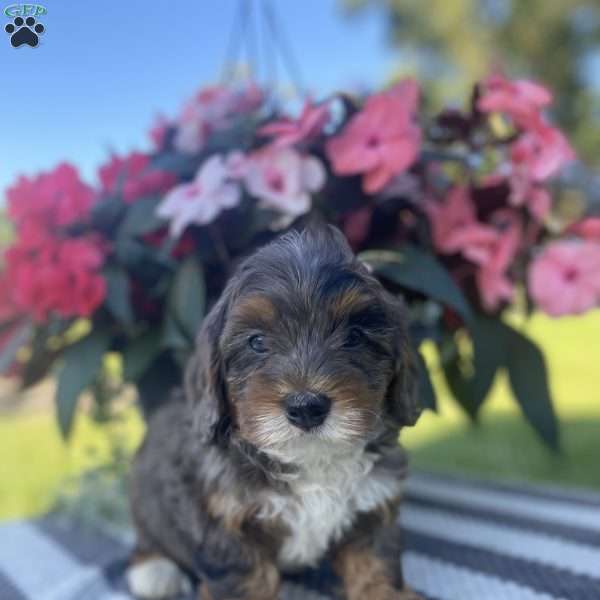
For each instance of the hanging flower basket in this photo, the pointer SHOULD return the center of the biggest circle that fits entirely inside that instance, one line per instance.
(454, 212)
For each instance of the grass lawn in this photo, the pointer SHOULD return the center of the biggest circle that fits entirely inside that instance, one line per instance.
(35, 463)
(503, 445)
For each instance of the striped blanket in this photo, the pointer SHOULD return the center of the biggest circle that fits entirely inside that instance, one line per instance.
(465, 540)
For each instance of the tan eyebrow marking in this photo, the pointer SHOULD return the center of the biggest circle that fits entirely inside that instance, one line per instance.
(256, 307)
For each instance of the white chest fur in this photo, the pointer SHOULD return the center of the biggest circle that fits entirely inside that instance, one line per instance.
(328, 492)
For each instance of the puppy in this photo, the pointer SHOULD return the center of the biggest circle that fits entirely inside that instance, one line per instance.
(283, 449)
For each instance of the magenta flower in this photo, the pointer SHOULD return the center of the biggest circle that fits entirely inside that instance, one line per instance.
(200, 201)
(565, 278)
(382, 140)
(522, 100)
(284, 179)
(288, 132)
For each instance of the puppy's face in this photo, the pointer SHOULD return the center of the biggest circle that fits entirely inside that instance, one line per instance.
(312, 347)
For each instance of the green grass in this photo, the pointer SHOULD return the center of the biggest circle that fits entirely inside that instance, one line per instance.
(35, 463)
(503, 445)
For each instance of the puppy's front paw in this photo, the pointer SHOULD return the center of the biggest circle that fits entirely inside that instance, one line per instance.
(157, 578)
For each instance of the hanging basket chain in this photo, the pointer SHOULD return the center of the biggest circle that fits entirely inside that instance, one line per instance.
(249, 26)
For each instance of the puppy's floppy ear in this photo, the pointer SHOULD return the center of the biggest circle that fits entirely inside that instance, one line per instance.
(204, 380)
(403, 391)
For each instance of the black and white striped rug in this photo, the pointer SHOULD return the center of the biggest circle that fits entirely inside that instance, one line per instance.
(465, 540)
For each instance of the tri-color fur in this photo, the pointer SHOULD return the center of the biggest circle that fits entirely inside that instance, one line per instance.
(228, 489)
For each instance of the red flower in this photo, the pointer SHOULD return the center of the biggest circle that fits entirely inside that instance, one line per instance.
(50, 200)
(134, 177)
(522, 100)
(56, 276)
(184, 246)
(380, 141)
(288, 132)
(11, 319)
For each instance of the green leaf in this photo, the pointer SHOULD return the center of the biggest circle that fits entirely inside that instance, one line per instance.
(139, 354)
(470, 382)
(141, 218)
(421, 272)
(81, 363)
(460, 386)
(490, 349)
(187, 298)
(18, 339)
(118, 294)
(529, 382)
(157, 383)
(427, 392)
(182, 165)
(107, 213)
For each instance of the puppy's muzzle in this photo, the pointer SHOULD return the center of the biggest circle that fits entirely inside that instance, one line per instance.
(307, 410)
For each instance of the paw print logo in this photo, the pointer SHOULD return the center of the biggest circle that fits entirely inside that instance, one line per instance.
(24, 31)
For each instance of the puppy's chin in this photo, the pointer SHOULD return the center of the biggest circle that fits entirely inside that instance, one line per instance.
(287, 443)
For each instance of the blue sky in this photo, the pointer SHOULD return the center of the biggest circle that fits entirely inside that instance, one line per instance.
(104, 69)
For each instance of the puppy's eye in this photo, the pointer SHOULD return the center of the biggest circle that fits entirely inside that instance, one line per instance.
(355, 337)
(258, 343)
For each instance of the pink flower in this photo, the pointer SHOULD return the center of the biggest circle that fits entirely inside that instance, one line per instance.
(565, 278)
(284, 179)
(492, 278)
(522, 100)
(212, 108)
(193, 129)
(248, 99)
(588, 229)
(289, 132)
(380, 141)
(455, 228)
(133, 176)
(200, 201)
(534, 196)
(237, 164)
(53, 199)
(541, 152)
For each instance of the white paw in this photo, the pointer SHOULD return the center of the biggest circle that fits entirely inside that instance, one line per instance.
(157, 579)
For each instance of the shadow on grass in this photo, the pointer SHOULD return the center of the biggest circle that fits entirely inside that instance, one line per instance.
(506, 448)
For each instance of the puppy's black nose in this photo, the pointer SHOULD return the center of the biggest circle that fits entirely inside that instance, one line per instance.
(307, 409)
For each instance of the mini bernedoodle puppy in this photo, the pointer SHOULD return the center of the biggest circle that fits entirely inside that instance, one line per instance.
(283, 450)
